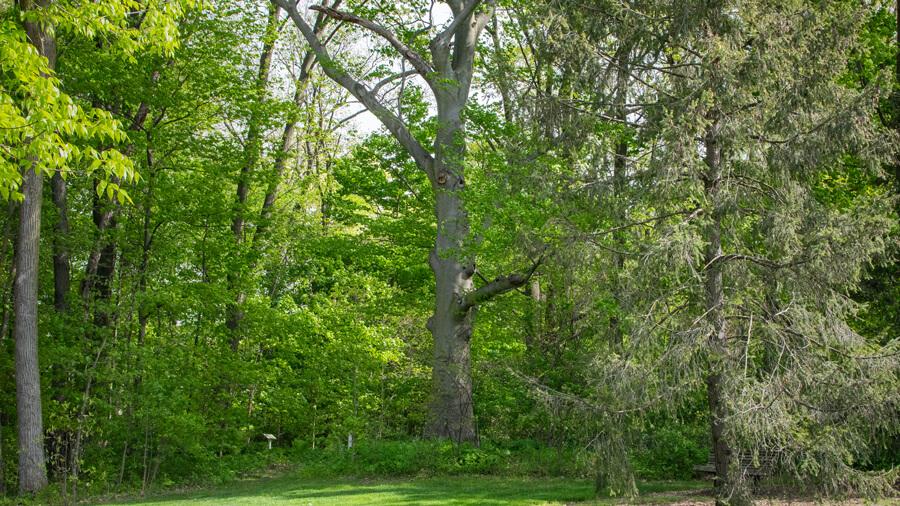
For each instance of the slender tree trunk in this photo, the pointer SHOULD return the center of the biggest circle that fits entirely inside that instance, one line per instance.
(287, 140)
(102, 217)
(2, 463)
(106, 269)
(729, 486)
(61, 276)
(252, 151)
(82, 416)
(503, 68)
(253, 146)
(281, 159)
(122, 465)
(620, 167)
(260, 237)
(146, 452)
(535, 334)
(101, 261)
(32, 467)
(100, 268)
(146, 243)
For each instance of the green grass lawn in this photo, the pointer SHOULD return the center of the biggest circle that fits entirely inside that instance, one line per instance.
(294, 490)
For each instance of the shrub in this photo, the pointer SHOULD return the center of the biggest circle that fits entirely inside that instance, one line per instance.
(419, 457)
(670, 451)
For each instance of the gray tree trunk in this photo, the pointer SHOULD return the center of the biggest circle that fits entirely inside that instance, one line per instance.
(452, 413)
(32, 470)
(32, 466)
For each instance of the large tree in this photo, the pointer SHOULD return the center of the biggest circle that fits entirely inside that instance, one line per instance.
(448, 74)
(742, 209)
(751, 132)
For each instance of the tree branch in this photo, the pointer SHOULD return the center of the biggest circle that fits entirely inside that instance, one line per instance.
(691, 212)
(443, 38)
(391, 78)
(498, 286)
(419, 63)
(755, 259)
(334, 71)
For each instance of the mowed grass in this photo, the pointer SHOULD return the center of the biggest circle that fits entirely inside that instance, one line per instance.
(295, 490)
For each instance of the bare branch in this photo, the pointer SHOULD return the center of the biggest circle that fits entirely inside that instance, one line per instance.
(755, 259)
(692, 212)
(418, 63)
(336, 72)
(391, 78)
(498, 286)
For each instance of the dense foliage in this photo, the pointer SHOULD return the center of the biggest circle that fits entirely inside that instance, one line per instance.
(677, 223)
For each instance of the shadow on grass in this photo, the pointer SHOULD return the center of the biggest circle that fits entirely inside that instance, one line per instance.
(489, 493)
(458, 490)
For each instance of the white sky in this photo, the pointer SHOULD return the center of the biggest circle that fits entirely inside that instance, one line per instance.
(366, 123)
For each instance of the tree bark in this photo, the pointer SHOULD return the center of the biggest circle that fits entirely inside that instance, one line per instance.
(728, 484)
(61, 275)
(106, 269)
(504, 72)
(451, 325)
(32, 470)
(260, 237)
(147, 233)
(101, 261)
(452, 413)
(103, 217)
(32, 466)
